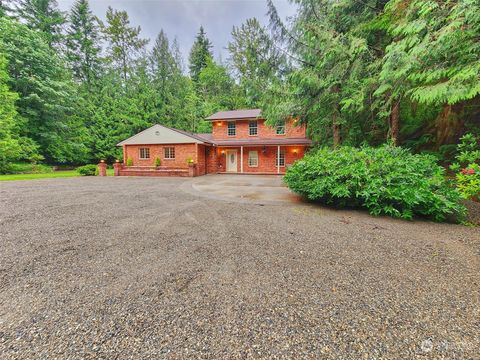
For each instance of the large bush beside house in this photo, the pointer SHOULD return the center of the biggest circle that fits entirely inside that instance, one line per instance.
(386, 180)
(88, 170)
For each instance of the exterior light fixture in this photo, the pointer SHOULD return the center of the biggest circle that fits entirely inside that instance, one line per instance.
(219, 123)
(295, 151)
(223, 151)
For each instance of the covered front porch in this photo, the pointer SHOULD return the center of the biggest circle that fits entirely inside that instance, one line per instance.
(258, 159)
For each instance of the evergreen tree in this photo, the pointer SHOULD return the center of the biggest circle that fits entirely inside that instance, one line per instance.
(331, 84)
(255, 59)
(163, 63)
(199, 54)
(415, 68)
(124, 42)
(218, 90)
(83, 46)
(46, 93)
(43, 15)
(9, 147)
(6, 7)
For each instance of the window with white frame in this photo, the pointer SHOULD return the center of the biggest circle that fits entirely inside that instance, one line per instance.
(281, 157)
(281, 128)
(253, 127)
(144, 153)
(231, 128)
(169, 153)
(253, 158)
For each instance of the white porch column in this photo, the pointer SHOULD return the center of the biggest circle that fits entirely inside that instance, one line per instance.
(241, 159)
(278, 159)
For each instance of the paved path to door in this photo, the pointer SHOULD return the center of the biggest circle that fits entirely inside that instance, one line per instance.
(242, 188)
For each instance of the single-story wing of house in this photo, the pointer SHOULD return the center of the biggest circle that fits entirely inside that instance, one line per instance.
(240, 142)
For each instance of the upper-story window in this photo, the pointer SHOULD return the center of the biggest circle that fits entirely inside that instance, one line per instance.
(253, 127)
(144, 153)
(231, 129)
(281, 128)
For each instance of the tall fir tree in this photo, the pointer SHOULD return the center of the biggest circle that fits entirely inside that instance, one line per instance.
(255, 59)
(124, 41)
(45, 16)
(199, 54)
(163, 63)
(83, 43)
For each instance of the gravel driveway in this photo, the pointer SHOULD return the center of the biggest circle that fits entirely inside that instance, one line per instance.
(141, 268)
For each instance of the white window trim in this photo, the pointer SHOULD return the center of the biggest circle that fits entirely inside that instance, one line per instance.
(169, 152)
(250, 152)
(277, 161)
(140, 154)
(235, 128)
(256, 128)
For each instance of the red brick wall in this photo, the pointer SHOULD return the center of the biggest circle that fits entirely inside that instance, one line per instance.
(182, 153)
(266, 159)
(213, 160)
(219, 130)
(201, 160)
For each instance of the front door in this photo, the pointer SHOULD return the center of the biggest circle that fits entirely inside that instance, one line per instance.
(232, 160)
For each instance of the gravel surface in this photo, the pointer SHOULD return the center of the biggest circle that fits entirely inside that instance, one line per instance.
(139, 268)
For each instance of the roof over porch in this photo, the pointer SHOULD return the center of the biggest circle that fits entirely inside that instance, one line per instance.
(260, 141)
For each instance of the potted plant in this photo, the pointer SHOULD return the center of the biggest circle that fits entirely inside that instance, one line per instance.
(157, 162)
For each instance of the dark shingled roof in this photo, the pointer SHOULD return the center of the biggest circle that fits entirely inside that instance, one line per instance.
(236, 114)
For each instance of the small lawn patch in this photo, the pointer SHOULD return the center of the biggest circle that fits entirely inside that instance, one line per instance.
(55, 174)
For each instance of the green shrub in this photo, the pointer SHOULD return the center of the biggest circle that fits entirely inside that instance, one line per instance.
(386, 180)
(467, 167)
(88, 170)
(129, 162)
(29, 168)
(468, 182)
(157, 161)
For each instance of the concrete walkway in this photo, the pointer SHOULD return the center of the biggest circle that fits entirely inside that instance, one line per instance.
(256, 189)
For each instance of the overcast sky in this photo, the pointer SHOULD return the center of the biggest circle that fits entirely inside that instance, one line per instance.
(182, 18)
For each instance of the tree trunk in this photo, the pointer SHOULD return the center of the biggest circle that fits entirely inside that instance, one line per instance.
(394, 122)
(449, 124)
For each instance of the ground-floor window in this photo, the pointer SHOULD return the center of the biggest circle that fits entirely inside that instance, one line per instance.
(253, 158)
(169, 152)
(144, 153)
(281, 158)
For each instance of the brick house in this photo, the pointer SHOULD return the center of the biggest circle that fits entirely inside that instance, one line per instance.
(240, 142)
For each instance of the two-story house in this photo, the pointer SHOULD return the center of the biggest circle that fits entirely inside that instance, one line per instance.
(240, 142)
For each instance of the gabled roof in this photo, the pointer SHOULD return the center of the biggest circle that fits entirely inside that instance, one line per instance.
(236, 114)
(159, 134)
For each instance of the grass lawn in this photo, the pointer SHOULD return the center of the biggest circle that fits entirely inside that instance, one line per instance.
(55, 174)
